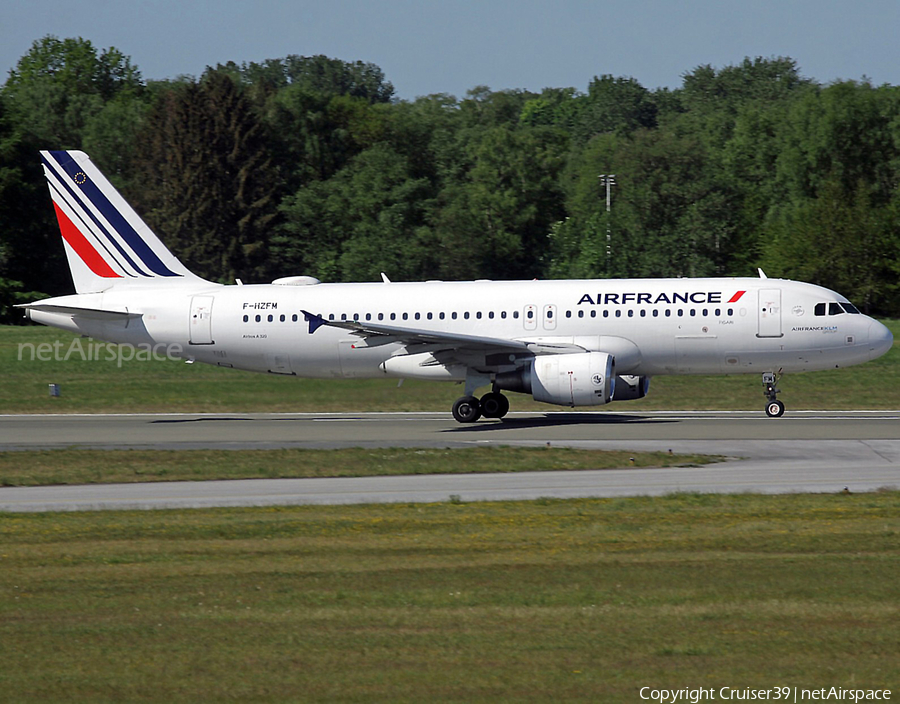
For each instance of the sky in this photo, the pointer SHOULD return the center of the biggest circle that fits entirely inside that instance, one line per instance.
(451, 46)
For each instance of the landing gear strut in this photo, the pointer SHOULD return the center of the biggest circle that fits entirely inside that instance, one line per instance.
(774, 407)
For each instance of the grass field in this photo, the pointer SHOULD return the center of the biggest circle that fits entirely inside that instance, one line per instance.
(576, 601)
(159, 386)
(43, 467)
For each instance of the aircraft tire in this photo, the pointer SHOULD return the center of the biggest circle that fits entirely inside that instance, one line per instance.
(467, 409)
(774, 409)
(494, 405)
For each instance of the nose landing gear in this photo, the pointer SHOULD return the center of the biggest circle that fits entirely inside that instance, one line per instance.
(774, 407)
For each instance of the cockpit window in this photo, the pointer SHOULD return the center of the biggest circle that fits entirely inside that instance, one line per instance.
(850, 308)
(820, 309)
(835, 308)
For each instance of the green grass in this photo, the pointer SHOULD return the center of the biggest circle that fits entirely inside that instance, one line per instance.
(576, 601)
(160, 386)
(43, 467)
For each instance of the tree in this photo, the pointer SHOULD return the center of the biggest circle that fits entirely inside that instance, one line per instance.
(367, 219)
(59, 86)
(206, 186)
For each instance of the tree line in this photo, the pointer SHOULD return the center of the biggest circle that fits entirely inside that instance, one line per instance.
(311, 165)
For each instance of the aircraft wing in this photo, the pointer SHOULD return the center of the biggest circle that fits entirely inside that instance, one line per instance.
(378, 333)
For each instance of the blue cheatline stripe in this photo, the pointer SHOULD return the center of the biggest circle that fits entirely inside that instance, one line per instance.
(78, 221)
(77, 198)
(114, 217)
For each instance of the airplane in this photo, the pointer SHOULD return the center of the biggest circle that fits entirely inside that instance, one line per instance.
(564, 342)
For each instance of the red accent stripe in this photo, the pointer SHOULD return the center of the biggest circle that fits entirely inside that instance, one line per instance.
(736, 297)
(82, 247)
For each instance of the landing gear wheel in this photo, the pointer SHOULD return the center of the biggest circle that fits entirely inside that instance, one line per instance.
(774, 409)
(494, 405)
(467, 409)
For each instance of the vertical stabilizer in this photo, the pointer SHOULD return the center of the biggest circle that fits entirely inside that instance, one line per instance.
(107, 244)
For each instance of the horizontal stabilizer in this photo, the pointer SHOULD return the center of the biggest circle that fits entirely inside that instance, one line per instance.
(90, 313)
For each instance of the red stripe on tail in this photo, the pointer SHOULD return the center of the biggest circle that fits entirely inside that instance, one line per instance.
(77, 241)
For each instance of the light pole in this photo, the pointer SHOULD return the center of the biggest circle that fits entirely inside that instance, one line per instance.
(608, 180)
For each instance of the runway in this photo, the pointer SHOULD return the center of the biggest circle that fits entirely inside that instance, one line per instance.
(801, 452)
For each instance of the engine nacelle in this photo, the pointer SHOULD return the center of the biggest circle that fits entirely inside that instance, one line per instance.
(629, 388)
(583, 379)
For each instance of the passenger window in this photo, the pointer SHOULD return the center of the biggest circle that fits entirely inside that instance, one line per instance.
(668, 313)
(418, 316)
(466, 315)
(630, 313)
(593, 314)
(393, 316)
(441, 316)
(503, 314)
(294, 318)
(246, 318)
(516, 314)
(730, 312)
(718, 312)
(478, 315)
(549, 314)
(491, 315)
(430, 316)
(568, 314)
(282, 318)
(606, 314)
(643, 313)
(530, 314)
(406, 316)
(258, 318)
(655, 313)
(368, 316)
(618, 313)
(581, 314)
(453, 315)
(381, 316)
(271, 318)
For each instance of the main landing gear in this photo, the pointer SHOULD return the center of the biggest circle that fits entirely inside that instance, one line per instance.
(468, 409)
(774, 407)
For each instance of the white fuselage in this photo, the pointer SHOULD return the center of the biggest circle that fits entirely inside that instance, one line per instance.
(651, 326)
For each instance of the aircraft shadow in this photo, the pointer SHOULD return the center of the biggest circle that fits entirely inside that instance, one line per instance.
(197, 420)
(555, 420)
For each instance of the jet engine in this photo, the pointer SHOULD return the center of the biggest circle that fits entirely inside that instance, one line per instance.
(582, 379)
(629, 387)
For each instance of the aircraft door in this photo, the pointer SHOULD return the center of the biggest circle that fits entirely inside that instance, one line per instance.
(529, 317)
(550, 317)
(769, 310)
(201, 320)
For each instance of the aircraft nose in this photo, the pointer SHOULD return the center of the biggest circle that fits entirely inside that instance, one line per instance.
(880, 339)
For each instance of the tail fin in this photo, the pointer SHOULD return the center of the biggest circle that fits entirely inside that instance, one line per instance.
(107, 244)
